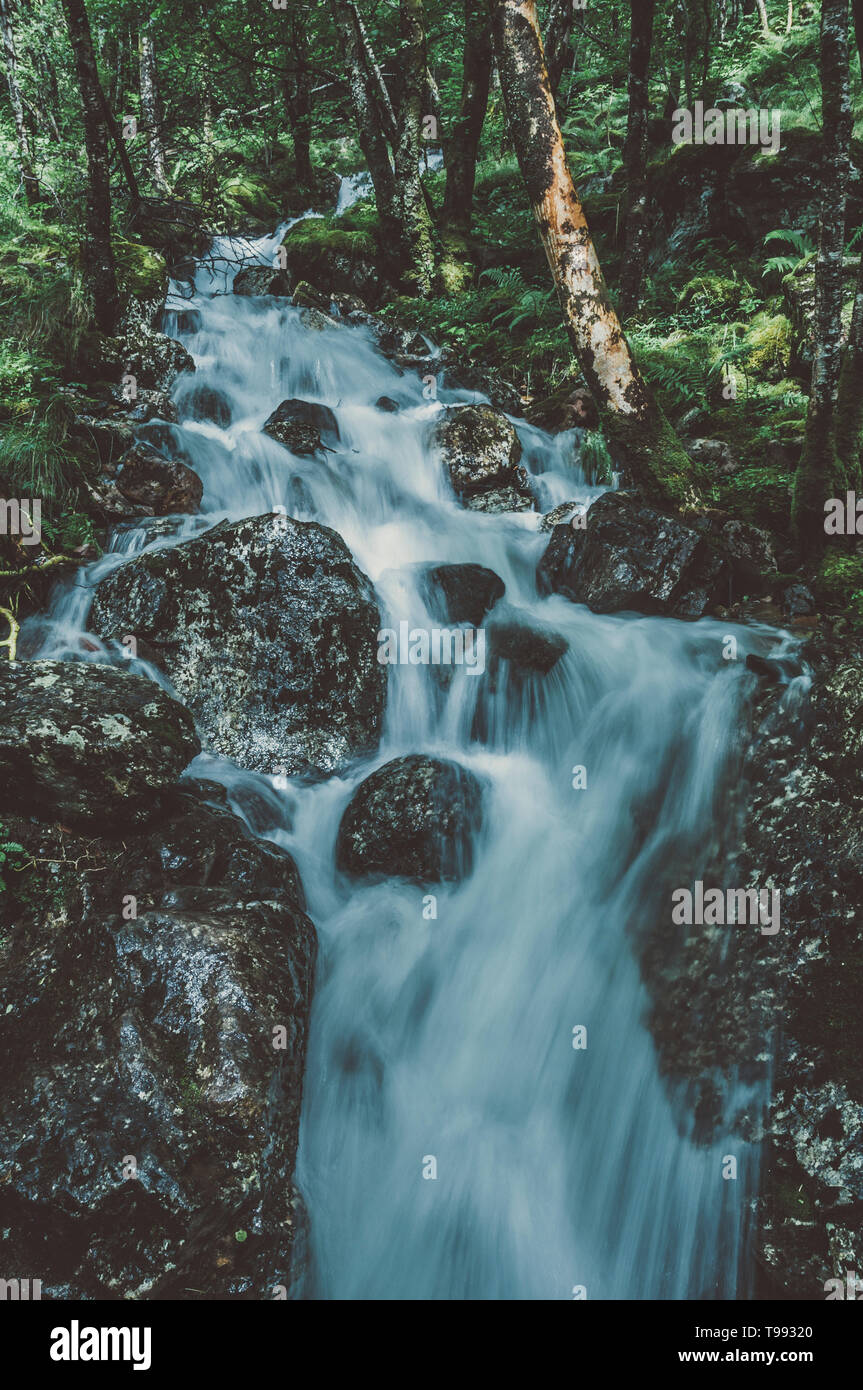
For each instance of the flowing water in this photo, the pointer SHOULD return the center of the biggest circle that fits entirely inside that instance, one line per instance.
(442, 1037)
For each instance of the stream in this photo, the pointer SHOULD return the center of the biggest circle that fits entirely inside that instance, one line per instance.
(456, 1143)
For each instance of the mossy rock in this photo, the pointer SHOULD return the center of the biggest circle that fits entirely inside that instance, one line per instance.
(244, 195)
(768, 347)
(335, 260)
(141, 271)
(839, 585)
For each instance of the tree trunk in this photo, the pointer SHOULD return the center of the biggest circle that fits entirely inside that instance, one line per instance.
(150, 111)
(370, 133)
(819, 471)
(99, 269)
(379, 88)
(849, 406)
(417, 233)
(761, 6)
(297, 90)
(10, 58)
(463, 144)
(639, 437)
(635, 157)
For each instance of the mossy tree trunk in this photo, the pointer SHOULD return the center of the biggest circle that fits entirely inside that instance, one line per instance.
(635, 156)
(10, 58)
(849, 407)
(820, 473)
(639, 437)
(370, 131)
(100, 274)
(463, 142)
(416, 227)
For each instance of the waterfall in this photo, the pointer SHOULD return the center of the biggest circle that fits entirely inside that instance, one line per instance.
(450, 1037)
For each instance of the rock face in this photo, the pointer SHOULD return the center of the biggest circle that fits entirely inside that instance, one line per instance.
(267, 629)
(261, 279)
(415, 817)
(480, 450)
(88, 745)
(734, 999)
(299, 425)
(525, 647)
(150, 1107)
(462, 593)
(163, 487)
(630, 557)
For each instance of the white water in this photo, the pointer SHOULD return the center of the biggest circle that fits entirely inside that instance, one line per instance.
(452, 1038)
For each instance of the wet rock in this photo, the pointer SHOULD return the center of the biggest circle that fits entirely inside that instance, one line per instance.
(153, 359)
(149, 1113)
(479, 447)
(629, 557)
(527, 647)
(388, 405)
(560, 515)
(334, 261)
(267, 629)
(88, 745)
(261, 279)
(299, 425)
(463, 593)
(798, 601)
(162, 486)
(202, 402)
(414, 818)
(499, 500)
(567, 409)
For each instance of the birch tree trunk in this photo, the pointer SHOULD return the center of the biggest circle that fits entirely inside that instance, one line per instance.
(639, 437)
(370, 132)
(819, 472)
(463, 143)
(99, 268)
(10, 59)
(635, 157)
(150, 111)
(761, 6)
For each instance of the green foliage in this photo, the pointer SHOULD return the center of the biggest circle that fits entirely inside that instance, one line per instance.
(840, 585)
(13, 858)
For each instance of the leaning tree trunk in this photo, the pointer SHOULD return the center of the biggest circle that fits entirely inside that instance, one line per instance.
(819, 471)
(99, 269)
(639, 437)
(417, 233)
(635, 157)
(849, 406)
(370, 132)
(10, 58)
(463, 143)
(150, 111)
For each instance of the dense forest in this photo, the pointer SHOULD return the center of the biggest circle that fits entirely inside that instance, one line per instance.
(565, 299)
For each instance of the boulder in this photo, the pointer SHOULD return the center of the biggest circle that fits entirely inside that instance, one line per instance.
(299, 425)
(527, 647)
(153, 359)
(150, 1107)
(631, 557)
(479, 447)
(388, 405)
(88, 745)
(162, 486)
(714, 454)
(200, 402)
(462, 593)
(261, 279)
(267, 629)
(416, 818)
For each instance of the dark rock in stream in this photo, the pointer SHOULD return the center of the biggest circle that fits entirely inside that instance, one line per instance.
(462, 593)
(200, 402)
(163, 486)
(154, 1003)
(299, 425)
(527, 647)
(262, 279)
(479, 446)
(415, 817)
(88, 745)
(267, 629)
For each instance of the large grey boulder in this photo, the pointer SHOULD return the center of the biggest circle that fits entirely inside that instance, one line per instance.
(89, 745)
(154, 1002)
(267, 629)
(480, 450)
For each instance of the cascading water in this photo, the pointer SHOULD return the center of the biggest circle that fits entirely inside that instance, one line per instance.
(451, 1038)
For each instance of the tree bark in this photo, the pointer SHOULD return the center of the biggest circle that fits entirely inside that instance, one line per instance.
(635, 157)
(761, 6)
(100, 274)
(464, 142)
(416, 226)
(10, 58)
(819, 471)
(639, 437)
(849, 406)
(150, 111)
(298, 100)
(370, 132)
